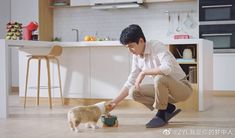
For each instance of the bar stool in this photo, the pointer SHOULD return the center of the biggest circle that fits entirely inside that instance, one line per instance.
(53, 54)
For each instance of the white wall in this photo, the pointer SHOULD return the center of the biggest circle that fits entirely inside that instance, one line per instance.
(23, 11)
(5, 15)
(5, 11)
(153, 20)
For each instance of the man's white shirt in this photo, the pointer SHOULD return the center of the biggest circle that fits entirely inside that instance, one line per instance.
(155, 55)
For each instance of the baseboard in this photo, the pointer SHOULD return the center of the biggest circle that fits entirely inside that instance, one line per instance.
(224, 93)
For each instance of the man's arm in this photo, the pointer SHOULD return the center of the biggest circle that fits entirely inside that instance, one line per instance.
(123, 93)
(155, 71)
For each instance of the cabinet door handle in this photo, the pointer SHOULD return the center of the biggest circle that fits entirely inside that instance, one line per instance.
(222, 34)
(217, 6)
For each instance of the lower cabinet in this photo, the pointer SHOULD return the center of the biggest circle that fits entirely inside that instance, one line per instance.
(86, 72)
(224, 75)
(33, 72)
(75, 73)
(109, 71)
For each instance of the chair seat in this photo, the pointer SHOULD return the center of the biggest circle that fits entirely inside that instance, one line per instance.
(41, 56)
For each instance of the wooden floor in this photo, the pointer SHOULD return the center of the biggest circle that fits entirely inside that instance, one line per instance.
(41, 122)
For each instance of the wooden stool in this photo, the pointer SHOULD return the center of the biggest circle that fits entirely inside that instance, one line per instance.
(55, 52)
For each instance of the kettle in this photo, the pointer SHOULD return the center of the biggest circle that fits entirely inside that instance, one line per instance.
(187, 53)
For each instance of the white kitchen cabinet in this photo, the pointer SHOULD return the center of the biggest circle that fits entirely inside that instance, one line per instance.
(74, 67)
(224, 74)
(109, 70)
(33, 72)
(75, 73)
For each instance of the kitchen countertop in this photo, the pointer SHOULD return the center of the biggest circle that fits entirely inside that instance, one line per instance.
(205, 62)
(23, 43)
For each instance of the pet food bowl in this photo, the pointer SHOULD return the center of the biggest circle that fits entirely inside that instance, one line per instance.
(109, 121)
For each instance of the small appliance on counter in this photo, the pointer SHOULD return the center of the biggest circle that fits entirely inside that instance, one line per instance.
(28, 31)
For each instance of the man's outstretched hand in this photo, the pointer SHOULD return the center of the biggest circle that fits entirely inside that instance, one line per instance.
(111, 105)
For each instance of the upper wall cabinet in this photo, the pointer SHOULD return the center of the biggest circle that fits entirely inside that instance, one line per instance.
(82, 3)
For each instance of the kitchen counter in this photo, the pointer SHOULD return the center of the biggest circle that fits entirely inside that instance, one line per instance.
(85, 67)
(23, 43)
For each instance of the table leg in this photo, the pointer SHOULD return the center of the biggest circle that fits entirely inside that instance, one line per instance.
(4, 86)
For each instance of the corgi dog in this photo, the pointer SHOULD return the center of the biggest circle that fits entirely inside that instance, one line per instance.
(87, 114)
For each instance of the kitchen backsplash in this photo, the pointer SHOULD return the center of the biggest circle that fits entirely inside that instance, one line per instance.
(109, 23)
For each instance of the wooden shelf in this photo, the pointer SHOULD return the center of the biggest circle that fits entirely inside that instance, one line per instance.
(68, 6)
(64, 6)
(187, 63)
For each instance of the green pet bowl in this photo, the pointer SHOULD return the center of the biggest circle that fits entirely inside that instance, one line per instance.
(109, 121)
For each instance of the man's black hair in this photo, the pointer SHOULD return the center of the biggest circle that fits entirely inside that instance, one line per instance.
(131, 34)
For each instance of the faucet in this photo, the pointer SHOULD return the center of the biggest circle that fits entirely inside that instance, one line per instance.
(77, 34)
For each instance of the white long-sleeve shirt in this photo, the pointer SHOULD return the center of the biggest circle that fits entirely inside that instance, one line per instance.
(155, 55)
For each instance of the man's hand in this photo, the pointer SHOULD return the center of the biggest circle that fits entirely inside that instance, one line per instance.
(139, 80)
(111, 105)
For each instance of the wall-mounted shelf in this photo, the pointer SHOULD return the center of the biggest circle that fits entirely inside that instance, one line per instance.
(187, 62)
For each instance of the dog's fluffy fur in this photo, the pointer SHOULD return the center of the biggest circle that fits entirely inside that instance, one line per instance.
(87, 114)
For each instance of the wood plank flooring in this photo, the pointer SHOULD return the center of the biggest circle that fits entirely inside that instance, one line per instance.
(41, 122)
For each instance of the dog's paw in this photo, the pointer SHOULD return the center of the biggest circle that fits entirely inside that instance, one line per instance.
(78, 130)
(72, 129)
(87, 125)
(95, 127)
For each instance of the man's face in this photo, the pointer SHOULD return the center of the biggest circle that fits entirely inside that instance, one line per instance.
(137, 49)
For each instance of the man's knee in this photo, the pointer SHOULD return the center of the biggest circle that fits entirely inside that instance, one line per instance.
(134, 94)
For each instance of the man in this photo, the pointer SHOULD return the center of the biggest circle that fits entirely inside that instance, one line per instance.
(169, 86)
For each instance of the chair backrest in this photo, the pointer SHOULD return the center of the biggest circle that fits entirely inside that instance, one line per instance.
(56, 51)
